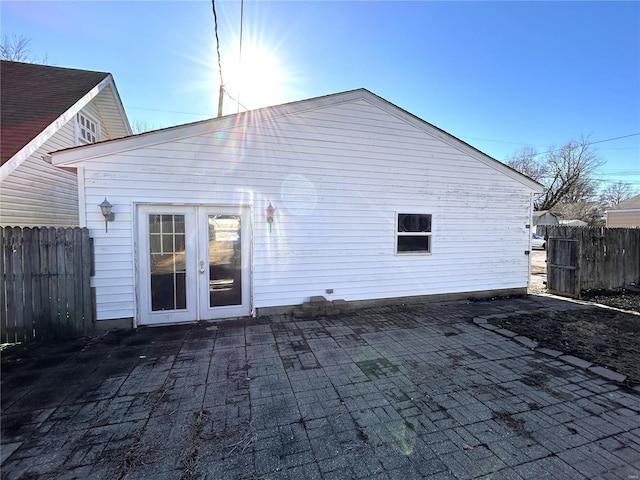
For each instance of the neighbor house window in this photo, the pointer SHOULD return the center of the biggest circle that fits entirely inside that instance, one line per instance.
(87, 129)
(414, 233)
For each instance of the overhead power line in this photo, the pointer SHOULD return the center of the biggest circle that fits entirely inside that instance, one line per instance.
(589, 143)
(541, 153)
(615, 138)
(215, 29)
(240, 51)
(208, 115)
(223, 88)
(592, 143)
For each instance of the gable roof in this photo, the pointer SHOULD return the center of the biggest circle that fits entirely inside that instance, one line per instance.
(68, 157)
(629, 204)
(542, 213)
(33, 99)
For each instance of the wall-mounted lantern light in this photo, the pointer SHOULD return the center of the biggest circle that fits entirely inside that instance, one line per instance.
(105, 208)
(270, 215)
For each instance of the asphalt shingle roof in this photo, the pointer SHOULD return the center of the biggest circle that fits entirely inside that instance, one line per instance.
(33, 96)
(629, 203)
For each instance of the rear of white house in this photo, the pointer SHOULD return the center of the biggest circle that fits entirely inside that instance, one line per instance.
(345, 196)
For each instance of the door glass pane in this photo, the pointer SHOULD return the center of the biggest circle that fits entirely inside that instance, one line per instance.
(167, 261)
(225, 263)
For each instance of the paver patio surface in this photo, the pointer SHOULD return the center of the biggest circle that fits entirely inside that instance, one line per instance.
(403, 392)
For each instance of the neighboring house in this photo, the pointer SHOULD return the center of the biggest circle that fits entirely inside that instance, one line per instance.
(45, 108)
(345, 196)
(590, 213)
(573, 223)
(544, 218)
(625, 214)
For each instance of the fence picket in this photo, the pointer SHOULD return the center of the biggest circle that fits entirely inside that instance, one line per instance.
(44, 319)
(609, 257)
(18, 291)
(3, 300)
(36, 279)
(27, 269)
(76, 259)
(45, 291)
(88, 297)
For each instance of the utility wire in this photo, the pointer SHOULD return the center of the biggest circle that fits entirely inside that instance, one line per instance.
(240, 51)
(215, 28)
(520, 143)
(171, 111)
(484, 139)
(590, 143)
(235, 100)
(615, 138)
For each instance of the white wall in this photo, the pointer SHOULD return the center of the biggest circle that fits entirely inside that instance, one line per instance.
(337, 176)
(39, 194)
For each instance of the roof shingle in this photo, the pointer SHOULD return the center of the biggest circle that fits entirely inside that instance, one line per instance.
(33, 96)
(628, 204)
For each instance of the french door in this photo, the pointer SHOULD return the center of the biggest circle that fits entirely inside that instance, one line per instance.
(193, 263)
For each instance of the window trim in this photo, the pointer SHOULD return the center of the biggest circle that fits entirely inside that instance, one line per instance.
(413, 234)
(79, 128)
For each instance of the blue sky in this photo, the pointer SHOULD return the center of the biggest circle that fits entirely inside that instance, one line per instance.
(499, 75)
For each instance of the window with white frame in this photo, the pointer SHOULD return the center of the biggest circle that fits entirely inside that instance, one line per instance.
(87, 129)
(413, 233)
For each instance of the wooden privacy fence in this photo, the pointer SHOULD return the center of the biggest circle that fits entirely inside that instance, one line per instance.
(593, 258)
(45, 292)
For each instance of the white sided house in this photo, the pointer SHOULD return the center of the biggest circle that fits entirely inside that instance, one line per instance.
(42, 109)
(345, 196)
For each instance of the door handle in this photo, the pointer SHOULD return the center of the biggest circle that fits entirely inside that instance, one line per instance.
(201, 266)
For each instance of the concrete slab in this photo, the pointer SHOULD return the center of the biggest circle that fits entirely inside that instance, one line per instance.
(526, 341)
(578, 362)
(418, 391)
(608, 374)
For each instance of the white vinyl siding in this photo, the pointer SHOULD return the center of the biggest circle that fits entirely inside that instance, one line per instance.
(105, 109)
(337, 176)
(39, 194)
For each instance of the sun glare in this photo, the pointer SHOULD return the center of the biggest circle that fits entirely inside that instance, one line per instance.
(255, 80)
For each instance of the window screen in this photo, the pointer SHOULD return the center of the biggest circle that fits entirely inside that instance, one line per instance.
(414, 233)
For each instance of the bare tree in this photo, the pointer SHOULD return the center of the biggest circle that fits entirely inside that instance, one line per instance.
(565, 172)
(16, 48)
(616, 193)
(140, 126)
(525, 161)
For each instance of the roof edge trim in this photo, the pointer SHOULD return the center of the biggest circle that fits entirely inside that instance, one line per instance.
(455, 142)
(40, 139)
(75, 154)
(71, 155)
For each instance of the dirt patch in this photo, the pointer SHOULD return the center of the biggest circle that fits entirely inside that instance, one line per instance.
(604, 337)
(625, 298)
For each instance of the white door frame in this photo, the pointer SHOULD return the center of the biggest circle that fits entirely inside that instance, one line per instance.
(196, 251)
(244, 308)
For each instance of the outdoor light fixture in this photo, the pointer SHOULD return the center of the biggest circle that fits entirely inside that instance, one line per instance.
(105, 208)
(270, 215)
